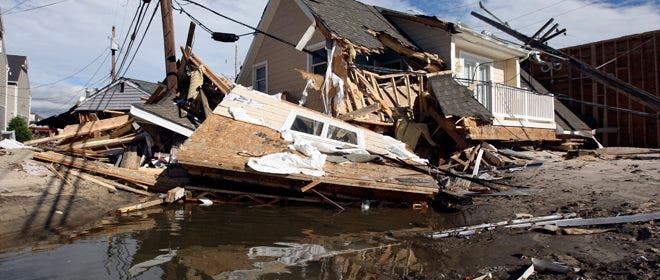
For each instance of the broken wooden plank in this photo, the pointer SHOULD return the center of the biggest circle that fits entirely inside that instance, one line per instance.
(310, 186)
(84, 129)
(329, 200)
(91, 179)
(447, 126)
(139, 206)
(107, 142)
(360, 112)
(175, 194)
(374, 94)
(221, 83)
(130, 159)
(128, 175)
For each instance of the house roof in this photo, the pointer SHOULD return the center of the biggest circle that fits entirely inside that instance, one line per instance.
(350, 19)
(167, 112)
(457, 100)
(113, 98)
(15, 63)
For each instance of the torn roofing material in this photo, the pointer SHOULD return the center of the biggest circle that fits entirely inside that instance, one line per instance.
(15, 63)
(164, 113)
(457, 100)
(351, 19)
(118, 96)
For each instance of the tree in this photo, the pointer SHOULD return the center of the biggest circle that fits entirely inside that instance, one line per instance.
(20, 126)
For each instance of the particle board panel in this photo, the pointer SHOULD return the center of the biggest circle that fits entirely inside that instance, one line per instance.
(225, 144)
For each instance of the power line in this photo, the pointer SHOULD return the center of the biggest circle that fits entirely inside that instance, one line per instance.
(144, 34)
(35, 8)
(136, 30)
(123, 43)
(14, 7)
(74, 74)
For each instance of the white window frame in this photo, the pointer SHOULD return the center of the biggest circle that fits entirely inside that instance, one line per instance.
(312, 48)
(483, 61)
(263, 64)
(324, 131)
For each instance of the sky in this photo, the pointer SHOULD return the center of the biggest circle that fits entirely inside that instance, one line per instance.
(67, 43)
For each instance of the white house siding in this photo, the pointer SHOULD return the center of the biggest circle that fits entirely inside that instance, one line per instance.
(3, 91)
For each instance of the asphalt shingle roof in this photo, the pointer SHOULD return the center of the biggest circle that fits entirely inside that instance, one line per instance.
(113, 98)
(350, 19)
(15, 63)
(456, 99)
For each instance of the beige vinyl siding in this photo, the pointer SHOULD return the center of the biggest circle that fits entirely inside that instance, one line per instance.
(511, 75)
(497, 72)
(289, 23)
(430, 39)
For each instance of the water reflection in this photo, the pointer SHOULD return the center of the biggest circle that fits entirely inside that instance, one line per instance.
(228, 242)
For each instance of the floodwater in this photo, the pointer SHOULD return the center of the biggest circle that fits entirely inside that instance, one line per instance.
(233, 242)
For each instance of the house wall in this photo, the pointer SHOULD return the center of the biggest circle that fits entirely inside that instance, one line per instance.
(289, 23)
(3, 91)
(637, 62)
(430, 39)
(12, 98)
(24, 95)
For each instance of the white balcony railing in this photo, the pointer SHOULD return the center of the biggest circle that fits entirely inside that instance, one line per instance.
(514, 106)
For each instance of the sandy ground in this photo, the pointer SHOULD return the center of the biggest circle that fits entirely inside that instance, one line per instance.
(588, 186)
(34, 203)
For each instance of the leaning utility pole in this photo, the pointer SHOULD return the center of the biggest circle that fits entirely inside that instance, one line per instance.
(170, 52)
(114, 46)
(592, 72)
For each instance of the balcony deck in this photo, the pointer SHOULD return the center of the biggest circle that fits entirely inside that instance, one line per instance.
(512, 106)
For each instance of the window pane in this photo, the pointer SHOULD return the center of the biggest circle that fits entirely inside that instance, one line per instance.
(319, 56)
(261, 73)
(260, 85)
(307, 125)
(343, 135)
(319, 69)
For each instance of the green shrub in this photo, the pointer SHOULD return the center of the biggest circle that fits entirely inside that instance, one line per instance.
(20, 126)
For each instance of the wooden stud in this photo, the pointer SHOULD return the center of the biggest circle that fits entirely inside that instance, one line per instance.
(310, 186)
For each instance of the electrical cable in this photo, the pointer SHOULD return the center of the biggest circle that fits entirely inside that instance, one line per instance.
(136, 30)
(35, 8)
(144, 34)
(75, 73)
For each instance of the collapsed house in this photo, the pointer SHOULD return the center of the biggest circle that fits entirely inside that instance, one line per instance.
(413, 76)
(371, 104)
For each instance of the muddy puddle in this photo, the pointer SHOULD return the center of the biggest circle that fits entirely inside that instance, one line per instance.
(231, 242)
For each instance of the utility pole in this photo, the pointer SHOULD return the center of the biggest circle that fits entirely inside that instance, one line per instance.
(114, 46)
(170, 52)
(235, 61)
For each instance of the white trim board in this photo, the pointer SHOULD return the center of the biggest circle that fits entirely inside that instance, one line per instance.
(160, 121)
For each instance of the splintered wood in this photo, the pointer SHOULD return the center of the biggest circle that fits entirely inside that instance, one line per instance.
(243, 140)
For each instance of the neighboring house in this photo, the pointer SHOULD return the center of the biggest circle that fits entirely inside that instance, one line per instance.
(388, 59)
(618, 119)
(15, 95)
(18, 87)
(115, 98)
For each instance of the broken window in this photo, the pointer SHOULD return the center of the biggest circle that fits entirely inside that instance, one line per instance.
(342, 135)
(307, 125)
(318, 61)
(260, 76)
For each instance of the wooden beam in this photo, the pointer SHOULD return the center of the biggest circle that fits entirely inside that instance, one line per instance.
(175, 194)
(310, 186)
(447, 126)
(360, 112)
(221, 83)
(374, 94)
(139, 206)
(128, 175)
(105, 142)
(84, 129)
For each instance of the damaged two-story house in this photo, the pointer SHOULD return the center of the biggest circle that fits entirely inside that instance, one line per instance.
(382, 62)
